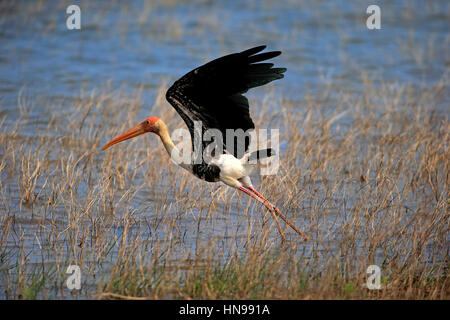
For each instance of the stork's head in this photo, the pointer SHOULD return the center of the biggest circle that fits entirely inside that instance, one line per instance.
(151, 124)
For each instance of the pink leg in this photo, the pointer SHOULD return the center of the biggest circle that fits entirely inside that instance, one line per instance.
(256, 192)
(278, 212)
(262, 197)
(267, 205)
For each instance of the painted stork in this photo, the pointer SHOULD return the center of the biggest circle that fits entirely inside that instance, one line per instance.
(213, 95)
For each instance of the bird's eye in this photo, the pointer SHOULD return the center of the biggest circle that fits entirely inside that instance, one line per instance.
(147, 122)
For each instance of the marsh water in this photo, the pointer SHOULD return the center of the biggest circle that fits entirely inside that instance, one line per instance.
(136, 45)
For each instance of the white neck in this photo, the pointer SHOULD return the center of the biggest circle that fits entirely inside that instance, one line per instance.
(171, 149)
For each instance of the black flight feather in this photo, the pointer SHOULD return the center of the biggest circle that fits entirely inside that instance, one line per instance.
(213, 93)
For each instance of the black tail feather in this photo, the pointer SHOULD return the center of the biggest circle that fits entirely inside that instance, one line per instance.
(261, 154)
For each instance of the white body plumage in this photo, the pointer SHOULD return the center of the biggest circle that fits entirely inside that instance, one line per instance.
(233, 172)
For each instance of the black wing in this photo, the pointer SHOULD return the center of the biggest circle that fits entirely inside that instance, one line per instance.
(213, 93)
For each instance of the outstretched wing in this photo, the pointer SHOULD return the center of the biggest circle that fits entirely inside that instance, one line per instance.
(213, 93)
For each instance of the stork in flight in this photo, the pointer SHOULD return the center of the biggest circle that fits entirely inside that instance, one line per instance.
(213, 95)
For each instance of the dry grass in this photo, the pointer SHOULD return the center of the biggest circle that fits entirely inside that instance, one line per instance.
(367, 180)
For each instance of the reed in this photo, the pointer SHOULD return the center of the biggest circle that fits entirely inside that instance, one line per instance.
(365, 178)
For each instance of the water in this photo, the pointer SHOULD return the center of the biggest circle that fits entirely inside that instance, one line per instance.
(130, 46)
(142, 44)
